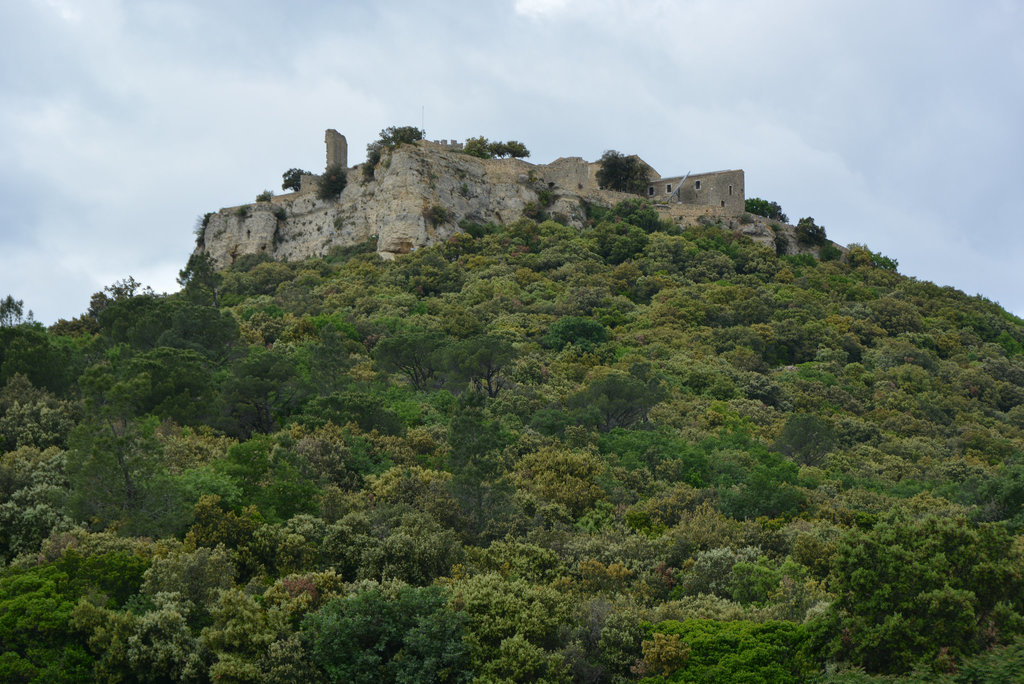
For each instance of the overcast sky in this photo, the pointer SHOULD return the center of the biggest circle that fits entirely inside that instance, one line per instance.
(895, 124)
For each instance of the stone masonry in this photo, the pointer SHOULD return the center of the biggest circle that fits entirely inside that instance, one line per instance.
(399, 206)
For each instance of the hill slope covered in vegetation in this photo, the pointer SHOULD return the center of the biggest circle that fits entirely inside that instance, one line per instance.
(532, 453)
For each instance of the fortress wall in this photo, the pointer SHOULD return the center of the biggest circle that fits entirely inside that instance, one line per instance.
(337, 148)
(509, 170)
(689, 213)
(720, 189)
(568, 173)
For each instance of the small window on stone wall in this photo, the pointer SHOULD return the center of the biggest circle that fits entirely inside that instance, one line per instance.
(723, 204)
(668, 188)
(696, 186)
(650, 191)
(730, 190)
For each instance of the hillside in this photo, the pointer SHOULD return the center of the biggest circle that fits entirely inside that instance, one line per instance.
(615, 450)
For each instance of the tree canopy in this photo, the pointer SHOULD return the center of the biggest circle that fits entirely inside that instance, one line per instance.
(623, 173)
(625, 451)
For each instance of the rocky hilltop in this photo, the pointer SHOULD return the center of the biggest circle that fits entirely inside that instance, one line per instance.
(417, 197)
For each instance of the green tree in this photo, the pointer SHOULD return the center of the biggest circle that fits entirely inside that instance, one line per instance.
(264, 388)
(411, 635)
(38, 641)
(333, 181)
(734, 651)
(200, 280)
(619, 399)
(414, 353)
(809, 233)
(585, 333)
(510, 148)
(623, 173)
(293, 179)
(480, 359)
(922, 592)
(11, 311)
(478, 147)
(806, 438)
(761, 207)
(271, 476)
(390, 138)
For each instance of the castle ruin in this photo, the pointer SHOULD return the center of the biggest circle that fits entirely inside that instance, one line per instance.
(397, 205)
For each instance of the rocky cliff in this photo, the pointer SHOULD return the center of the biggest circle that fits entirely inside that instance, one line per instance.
(417, 197)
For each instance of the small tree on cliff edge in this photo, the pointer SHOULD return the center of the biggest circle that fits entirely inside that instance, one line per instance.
(292, 179)
(390, 138)
(333, 181)
(622, 173)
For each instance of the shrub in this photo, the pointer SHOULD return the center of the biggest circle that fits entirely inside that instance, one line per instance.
(265, 196)
(437, 215)
(830, 253)
(333, 181)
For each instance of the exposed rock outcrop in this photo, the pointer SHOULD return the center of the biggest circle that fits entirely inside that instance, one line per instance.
(420, 193)
(418, 196)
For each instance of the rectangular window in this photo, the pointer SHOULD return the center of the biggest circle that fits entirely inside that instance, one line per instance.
(730, 190)
(696, 186)
(723, 204)
(668, 188)
(650, 191)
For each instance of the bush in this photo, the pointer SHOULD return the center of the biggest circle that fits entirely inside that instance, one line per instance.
(333, 181)
(265, 196)
(830, 253)
(438, 215)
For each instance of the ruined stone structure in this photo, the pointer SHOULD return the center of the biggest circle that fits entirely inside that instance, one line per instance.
(723, 189)
(337, 148)
(396, 207)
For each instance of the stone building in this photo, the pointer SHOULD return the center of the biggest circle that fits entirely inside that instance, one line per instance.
(721, 189)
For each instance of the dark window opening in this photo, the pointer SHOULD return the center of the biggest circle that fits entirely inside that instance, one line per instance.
(650, 191)
(696, 186)
(730, 190)
(723, 204)
(668, 188)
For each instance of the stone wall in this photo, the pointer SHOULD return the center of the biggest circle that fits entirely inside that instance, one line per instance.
(337, 148)
(721, 189)
(396, 206)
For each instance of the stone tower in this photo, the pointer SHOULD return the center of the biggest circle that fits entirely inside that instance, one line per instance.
(337, 148)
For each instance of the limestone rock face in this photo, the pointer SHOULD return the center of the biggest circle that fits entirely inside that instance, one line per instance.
(418, 196)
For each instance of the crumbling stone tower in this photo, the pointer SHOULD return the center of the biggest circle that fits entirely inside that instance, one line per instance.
(337, 148)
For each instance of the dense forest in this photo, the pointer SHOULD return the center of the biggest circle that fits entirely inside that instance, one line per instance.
(632, 452)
